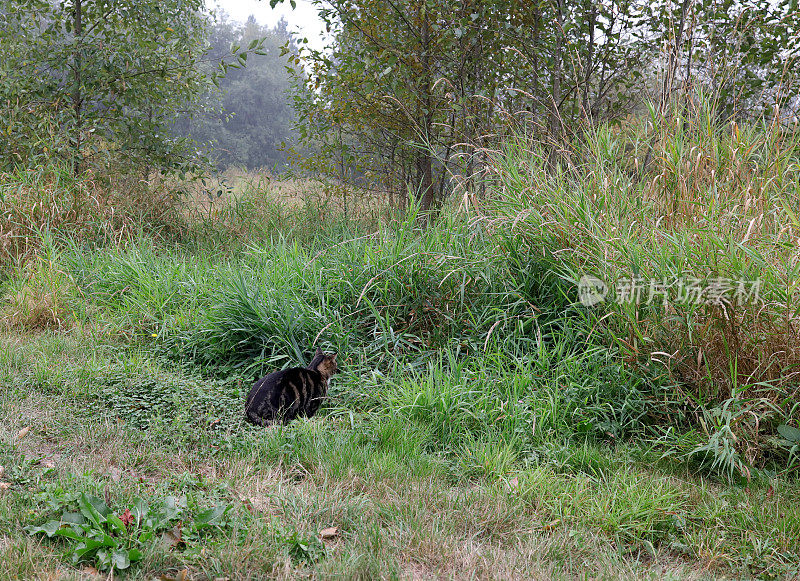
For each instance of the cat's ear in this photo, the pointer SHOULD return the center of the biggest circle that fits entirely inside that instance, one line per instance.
(318, 352)
(333, 357)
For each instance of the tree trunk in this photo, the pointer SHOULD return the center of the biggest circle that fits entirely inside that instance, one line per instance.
(77, 98)
(425, 172)
(558, 59)
(672, 66)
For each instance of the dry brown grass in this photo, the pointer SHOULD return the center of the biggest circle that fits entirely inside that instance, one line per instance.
(90, 209)
(241, 204)
(40, 299)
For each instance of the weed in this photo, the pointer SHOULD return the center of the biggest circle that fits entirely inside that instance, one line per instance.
(96, 534)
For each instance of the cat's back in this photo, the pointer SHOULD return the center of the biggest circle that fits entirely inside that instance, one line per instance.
(280, 394)
(273, 382)
(291, 392)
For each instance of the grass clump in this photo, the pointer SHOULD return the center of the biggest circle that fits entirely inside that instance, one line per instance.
(39, 298)
(697, 202)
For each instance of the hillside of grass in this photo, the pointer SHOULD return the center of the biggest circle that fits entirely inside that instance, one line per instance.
(484, 423)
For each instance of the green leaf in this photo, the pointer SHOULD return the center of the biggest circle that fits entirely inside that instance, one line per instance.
(118, 525)
(107, 540)
(211, 516)
(69, 533)
(140, 510)
(74, 518)
(103, 559)
(49, 528)
(790, 433)
(93, 508)
(120, 559)
(86, 546)
(173, 506)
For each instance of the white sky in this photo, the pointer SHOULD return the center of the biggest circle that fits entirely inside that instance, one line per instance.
(302, 20)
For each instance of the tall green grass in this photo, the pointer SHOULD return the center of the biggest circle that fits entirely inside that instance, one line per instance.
(681, 197)
(443, 329)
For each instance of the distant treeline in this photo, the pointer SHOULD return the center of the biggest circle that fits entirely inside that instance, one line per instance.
(247, 119)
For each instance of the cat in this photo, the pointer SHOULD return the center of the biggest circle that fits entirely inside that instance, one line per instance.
(284, 395)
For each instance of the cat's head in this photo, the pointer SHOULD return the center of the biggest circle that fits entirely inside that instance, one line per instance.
(325, 363)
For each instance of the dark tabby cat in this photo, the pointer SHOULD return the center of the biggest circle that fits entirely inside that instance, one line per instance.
(284, 395)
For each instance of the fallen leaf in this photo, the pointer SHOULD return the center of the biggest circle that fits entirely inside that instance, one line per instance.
(179, 576)
(126, 517)
(248, 505)
(48, 463)
(91, 571)
(23, 432)
(172, 538)
(513, 483)
(329, 533)
(5, 485)
(116, 473)
(2, 469)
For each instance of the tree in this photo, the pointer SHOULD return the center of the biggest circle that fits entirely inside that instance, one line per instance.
(744, 53)
(419, 88)
(249, 116)
(98, 81)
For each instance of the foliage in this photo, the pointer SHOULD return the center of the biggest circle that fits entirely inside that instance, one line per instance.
(495, 292)
(389, 303)
(308, 549)
(411, 94)
(92, 83)
(711, 213)
(96, 534)
(248, 116)
(741, 52)
(149, 396)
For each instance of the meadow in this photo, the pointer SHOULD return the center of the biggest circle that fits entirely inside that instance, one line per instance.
(484, 424)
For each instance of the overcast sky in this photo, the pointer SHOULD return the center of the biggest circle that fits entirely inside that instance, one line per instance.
(302, 20)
